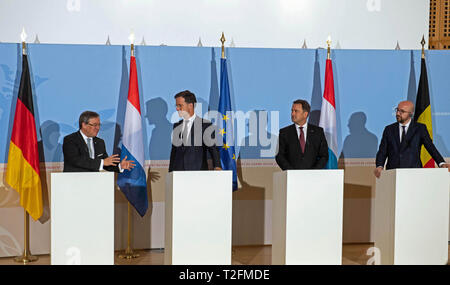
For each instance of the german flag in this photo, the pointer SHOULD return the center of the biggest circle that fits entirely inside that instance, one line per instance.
(422, 114)
(22, 171)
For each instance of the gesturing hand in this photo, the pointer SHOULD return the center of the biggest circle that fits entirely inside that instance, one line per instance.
(127, 164)
(111, 160)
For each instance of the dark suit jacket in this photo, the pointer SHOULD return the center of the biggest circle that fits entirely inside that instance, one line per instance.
(290, 155)
(76, 154)
(193, 156)
(406, 154)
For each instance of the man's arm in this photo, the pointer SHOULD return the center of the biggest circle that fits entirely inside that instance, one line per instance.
(281, 157)
(213, 149)
(430, 147)
(323, 154)
(381, 155)
(72, 156)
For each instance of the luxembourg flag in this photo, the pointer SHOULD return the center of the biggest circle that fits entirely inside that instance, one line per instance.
(133, 182)
(328, 117)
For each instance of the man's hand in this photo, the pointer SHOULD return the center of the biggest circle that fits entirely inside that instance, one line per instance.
(446, 165)
(217, 168)
(377, 172)
(127, 164)
(111, 160)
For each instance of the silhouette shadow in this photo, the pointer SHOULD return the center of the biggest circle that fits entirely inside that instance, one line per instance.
(316, 96)
(360, 143)
(249, 214)
(412, 88)
(214, 87)
(50, 150)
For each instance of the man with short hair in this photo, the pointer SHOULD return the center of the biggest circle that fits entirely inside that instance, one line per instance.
(301, 145)
(402, 141)
(85, 152)
(193, 138)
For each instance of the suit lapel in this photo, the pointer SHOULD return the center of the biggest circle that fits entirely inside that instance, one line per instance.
(397, 134)
(83, 143)
(294, 137)
(411, 130)
(310, 133)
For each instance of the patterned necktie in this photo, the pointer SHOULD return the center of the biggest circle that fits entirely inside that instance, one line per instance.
(403, 134)
(91, 153)
(302, 140)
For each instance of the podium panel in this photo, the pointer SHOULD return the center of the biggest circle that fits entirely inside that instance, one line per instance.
(82, 224)
(307, 217)
(412, 216)
(198, 208)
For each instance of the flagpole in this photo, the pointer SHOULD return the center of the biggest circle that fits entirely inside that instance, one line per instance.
(129, 253)
(222, 39)
(26, 256)
(329, 48)
(423, 47)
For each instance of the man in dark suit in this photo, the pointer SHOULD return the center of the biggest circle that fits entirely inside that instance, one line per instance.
(85, 152)
(193, 138)
(402, 142)
(301, 145)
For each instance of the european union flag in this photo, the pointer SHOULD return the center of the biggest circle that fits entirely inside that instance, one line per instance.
(227, 153)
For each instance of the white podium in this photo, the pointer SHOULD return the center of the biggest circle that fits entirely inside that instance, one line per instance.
(307, 217)
(82, 224)
(412, 216)
(198, 218)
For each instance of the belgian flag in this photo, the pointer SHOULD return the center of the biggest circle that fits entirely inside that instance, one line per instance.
(422, 114)
(22, 171)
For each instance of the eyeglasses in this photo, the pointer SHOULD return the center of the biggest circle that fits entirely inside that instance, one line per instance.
(397, 110)
(94, 125)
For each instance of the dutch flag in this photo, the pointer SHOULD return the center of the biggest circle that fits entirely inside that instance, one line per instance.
(328, 117)
(133, 183)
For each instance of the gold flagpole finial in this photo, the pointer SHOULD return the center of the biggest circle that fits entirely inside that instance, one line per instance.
(329, 47)
(222, 39)
(131, 38)
(423, 46)
(23, 36)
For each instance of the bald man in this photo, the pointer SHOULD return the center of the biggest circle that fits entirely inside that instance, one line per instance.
(402, 142)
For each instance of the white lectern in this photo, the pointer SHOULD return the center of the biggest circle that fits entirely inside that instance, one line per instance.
(82, 225)
(307, 217)
(198, 218)
(412, 216)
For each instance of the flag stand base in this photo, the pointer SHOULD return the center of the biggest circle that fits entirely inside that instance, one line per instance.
(129, 254)
(25, 258)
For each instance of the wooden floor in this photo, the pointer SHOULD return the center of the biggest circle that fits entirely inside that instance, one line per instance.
(353, 254)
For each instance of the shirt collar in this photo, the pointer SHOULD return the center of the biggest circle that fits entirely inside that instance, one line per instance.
(191, 119)
(304, 126)
(84, 136)
(406, 125)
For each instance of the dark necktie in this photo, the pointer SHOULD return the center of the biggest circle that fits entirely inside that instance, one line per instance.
(302, 140)
(403, 134)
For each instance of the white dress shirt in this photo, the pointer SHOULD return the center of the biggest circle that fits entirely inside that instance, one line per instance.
(305, 128)
(92, 148)
(400, 129)
(93, 151)
(188, 123)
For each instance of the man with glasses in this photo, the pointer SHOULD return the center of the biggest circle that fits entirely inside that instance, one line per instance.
(402, 142)
(85, 152)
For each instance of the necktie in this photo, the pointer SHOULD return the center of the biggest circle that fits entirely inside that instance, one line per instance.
(403, 134)
(91, 153)
(302, 140)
